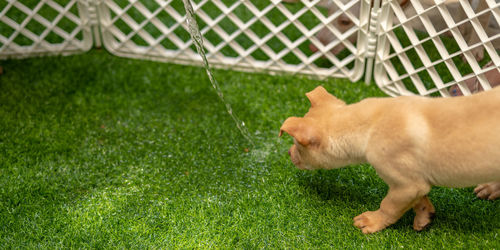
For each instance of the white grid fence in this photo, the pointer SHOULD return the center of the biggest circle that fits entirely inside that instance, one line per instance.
(242, 35)
(427, 48)
(33, 28)
(417, 46)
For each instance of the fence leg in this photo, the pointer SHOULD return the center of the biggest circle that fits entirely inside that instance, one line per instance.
(94, 23)
(372, 41)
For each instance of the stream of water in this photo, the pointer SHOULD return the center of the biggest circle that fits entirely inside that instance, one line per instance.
(198, 42)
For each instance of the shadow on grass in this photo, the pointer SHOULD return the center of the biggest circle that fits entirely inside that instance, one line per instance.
(356, 184)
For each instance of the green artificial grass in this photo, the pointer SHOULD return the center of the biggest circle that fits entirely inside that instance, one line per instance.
(98, 151)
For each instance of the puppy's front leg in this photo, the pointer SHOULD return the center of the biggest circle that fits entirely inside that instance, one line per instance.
(398, 200)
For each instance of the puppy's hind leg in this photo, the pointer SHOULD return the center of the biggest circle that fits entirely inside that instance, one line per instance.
(488, 191)
(424, 212)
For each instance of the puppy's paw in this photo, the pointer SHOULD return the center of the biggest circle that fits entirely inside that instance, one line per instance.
(370, 222)
(424, 213)
(488, 191)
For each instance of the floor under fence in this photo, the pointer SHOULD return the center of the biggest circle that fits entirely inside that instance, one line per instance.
(426, 47)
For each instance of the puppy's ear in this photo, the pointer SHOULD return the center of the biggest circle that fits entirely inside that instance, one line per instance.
(320, 96)
(302, 129)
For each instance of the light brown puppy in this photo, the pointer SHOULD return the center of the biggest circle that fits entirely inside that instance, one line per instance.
(413, 143)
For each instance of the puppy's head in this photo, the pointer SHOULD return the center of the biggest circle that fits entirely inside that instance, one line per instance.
(311, 133)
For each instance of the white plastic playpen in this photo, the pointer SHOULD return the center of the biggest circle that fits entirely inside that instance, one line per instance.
(408, 47)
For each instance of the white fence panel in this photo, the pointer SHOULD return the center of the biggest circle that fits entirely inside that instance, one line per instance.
(270, 36)
(33, 28)
(425, 48)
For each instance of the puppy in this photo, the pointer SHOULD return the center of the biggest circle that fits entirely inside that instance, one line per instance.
(344, 23)
(413, 143)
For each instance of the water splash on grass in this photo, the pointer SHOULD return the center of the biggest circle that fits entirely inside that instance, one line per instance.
(198, 42)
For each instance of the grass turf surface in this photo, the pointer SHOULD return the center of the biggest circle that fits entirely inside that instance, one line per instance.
(101, 151)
